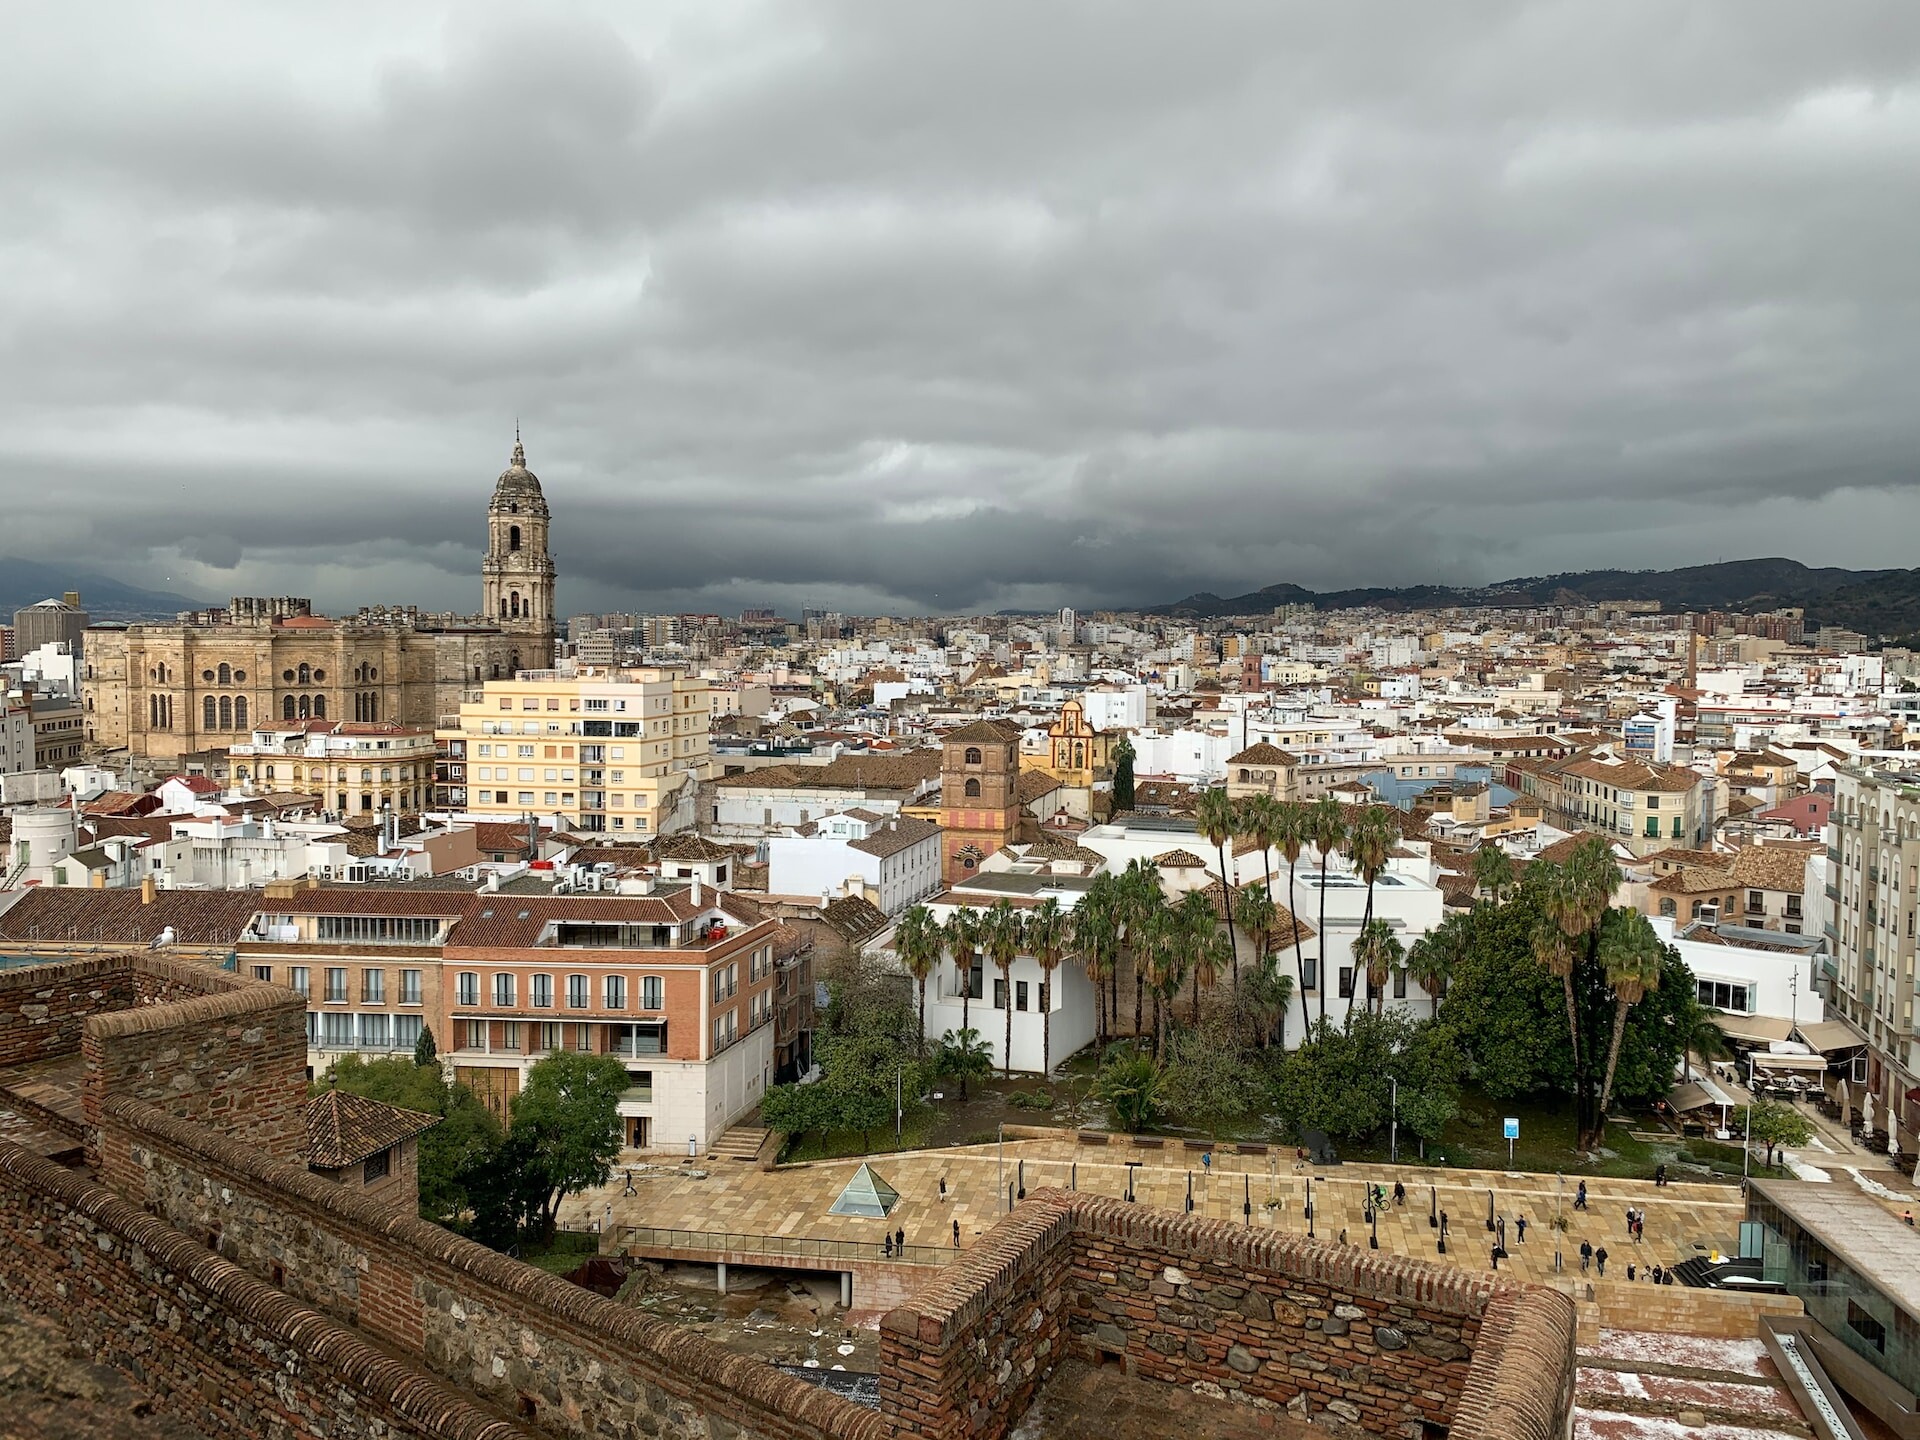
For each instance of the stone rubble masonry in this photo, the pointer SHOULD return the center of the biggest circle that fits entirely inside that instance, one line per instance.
(229, 1357)
(527, 1342)
(203, 1044)
(42, 1007)
(1277, 1322)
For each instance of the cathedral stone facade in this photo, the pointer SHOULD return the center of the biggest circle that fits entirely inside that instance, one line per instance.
(210, 678)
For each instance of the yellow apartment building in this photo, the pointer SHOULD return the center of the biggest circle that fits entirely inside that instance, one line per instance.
(612, 750)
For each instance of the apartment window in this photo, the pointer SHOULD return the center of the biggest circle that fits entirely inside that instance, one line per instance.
(999, 994)
(1311, 973)
(577, 990)
(336, 983)
(297, 980)
(550, 1039)
(616, 992)
(1346, 982)
(373, 987)
(336, 1030)
(374, 1031)
(583, 1038)
(652, 992)
(726, 1029)
(467, 988)
(725, 982)
(1020, 995)
(510, 1035)
(1726, 995)
(263, 972)
(1653, 802)
(476, 1034)
(1399, 984)
(543, 993)
(409, 987)
(406, 1031)
(503, 989)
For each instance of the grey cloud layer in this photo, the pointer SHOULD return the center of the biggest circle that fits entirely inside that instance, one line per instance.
(933, 306)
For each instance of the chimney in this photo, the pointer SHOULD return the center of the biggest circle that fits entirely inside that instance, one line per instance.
(146, 890)
(696, 891)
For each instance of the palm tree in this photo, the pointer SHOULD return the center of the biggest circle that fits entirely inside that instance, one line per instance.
(1216, 816)
(1631, 953)
(1377, 950)
(1369, 842)
(1207, 952)
(1048, 934)
(1141, 902)
(965, 1055)
(1265, 995)
(1554, 952)
(1576, 897)
(1433, 957)
(1492, 871)
(1259, 822)
(1001, 939)
(919, 943)
(1290, 835)
(1705, 1039)
(963, 935)
(1327, 828)
(1096, 934)
(1253, 907)
(1166, 956)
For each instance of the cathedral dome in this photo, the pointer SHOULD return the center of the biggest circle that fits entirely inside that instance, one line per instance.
(517, 484)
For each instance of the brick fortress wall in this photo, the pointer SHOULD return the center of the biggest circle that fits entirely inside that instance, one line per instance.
(42, 1007)
(1354, 1341)
(227, 1356)
(566, 1360)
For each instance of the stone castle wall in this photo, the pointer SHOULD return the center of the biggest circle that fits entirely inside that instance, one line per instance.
(43, 1007)
(568, 1361)
(227, 1356)
(209, 1046)
(1353, 1341)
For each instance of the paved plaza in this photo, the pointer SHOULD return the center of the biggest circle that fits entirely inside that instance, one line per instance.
(791, 1202)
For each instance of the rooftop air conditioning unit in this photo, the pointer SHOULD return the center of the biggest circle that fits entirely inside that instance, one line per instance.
(1709, 914)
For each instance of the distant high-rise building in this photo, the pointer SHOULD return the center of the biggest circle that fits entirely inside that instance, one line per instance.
(51, 621)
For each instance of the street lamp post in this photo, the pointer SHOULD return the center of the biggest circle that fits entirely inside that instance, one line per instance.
(1559, 1193)
(1746, 1149)
(1002, 1131)
(1393, 1133)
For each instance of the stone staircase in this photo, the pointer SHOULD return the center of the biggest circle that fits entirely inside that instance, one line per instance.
(742, 1142)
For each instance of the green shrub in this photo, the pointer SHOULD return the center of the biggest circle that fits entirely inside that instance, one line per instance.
(1030, 1100)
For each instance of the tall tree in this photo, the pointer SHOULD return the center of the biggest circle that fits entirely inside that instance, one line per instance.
(1253, 907)
(1049, 935)
(568, 1115)
(1576, 896)
(963, 938)
(1370, 841)
(964, 1056)
(1291, 836)
(1377, 950)
(1432, 957)
(1219, 821)
(1260, 823)
(1002, 938)
(425, 1052)
(1327, 829)
(1096, 935)
(1142, 902)
(1631, 954)
(1492, 872)
(1123, 774)
(919, 943)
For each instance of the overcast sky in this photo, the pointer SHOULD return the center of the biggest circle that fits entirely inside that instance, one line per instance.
(891, 306)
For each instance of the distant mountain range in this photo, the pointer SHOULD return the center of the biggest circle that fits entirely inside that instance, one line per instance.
(28, 582)
(1884, 604)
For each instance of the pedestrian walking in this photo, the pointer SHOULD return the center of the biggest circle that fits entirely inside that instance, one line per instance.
(1496, 1259)
(1629, 1270)
(1660, 1174)
(1600, 1261)
(943, 1189)
(956, 1234)
(1586, 1255)
(886, 1246)
(1400, 1193)
(1580, 1197)
(1520, 1225)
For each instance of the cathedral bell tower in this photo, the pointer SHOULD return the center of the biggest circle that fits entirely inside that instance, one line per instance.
(516, 578)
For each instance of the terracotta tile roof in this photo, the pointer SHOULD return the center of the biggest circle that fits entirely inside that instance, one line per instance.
(1262, 753)
(896, 835)
(854, 918)
(983, 732)
(1771, 867)
(689, 846)
(197, 917)
(1179, 860)
(344, 1129)
(1694, 881)
(494, 837)
(114, 802)
(1032, 784)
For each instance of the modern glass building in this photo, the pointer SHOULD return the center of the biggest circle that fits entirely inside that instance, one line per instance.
(1852, 1262)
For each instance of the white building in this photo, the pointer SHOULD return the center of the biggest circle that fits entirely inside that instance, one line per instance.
(893, 859)
(1770, 976)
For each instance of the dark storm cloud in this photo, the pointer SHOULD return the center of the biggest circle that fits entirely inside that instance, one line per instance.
(933, 306)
